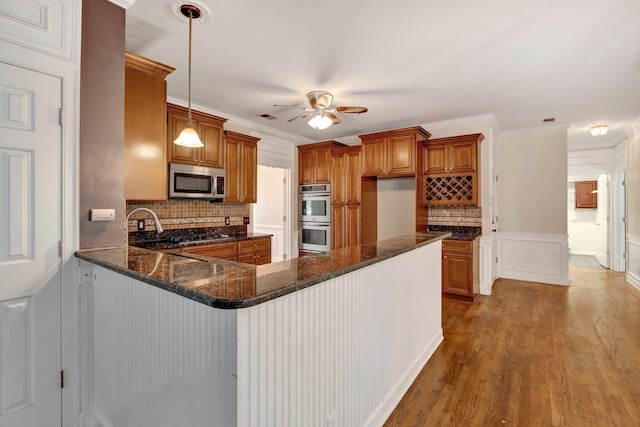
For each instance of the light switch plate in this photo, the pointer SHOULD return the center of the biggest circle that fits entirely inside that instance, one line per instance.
(103, 214)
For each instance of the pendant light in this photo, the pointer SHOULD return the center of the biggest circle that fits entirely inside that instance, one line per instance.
(189, 137)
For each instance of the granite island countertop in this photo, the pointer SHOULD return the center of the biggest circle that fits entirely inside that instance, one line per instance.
(232, 285)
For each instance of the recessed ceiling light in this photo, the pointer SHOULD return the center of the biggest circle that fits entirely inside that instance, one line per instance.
(599, 130)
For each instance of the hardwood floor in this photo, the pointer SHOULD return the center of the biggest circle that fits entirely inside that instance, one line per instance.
(534, 355)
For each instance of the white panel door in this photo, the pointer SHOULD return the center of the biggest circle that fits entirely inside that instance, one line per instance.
(30, 231)
(602, 221)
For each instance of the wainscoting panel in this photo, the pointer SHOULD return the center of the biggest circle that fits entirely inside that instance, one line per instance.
(633, 260)
(532, 257)
(486, 262)
(343, 352)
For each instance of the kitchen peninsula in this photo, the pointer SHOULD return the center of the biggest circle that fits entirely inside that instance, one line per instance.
(328, 339)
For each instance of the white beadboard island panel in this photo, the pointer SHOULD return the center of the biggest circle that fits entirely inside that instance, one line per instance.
(160, 359)
(343, 351)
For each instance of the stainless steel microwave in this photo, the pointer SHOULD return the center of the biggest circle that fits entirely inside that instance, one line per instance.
(196, 182)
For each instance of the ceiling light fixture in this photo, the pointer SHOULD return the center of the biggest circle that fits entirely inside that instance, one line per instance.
(189, 137)
(320, 121)
(599, 130)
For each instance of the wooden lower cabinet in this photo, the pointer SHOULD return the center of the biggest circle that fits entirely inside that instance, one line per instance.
(254, 251)
(345, 226)
(228, 250)
(458, 270)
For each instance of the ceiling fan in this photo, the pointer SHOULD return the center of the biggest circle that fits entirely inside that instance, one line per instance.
(322, 112)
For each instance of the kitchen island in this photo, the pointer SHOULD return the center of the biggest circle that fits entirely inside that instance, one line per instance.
(329, 339)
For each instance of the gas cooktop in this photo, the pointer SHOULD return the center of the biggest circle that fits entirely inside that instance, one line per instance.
(196, 239)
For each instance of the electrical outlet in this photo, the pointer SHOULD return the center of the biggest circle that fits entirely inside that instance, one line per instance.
(140, 225)
(245, 220)
(227, 220)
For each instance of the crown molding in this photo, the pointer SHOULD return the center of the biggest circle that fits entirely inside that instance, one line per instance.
(296, 139)
(482, 118)
(125, 4)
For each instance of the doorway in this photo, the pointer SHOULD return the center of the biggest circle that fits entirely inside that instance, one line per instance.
(588, 228)
(269, 214)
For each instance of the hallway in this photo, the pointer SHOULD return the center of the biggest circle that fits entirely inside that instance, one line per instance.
(535, 355)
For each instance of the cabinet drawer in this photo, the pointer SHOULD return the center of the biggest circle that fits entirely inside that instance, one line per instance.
(458, 246)
(227, 250)
(259, 258)
(250, 247)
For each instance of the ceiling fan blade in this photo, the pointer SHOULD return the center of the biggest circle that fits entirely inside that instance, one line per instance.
(351, 110)
(297, 117)
(297, 107)
(333, 118)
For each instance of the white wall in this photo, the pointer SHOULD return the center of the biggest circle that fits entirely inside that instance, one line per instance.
(532, 192)
(269, 209)
(396, 207)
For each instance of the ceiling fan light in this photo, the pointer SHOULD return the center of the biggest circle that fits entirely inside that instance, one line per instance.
(188, 138)
(599, 130)
(320, 121)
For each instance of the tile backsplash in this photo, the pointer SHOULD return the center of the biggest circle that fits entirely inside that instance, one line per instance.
(179, 213)
(460, 216)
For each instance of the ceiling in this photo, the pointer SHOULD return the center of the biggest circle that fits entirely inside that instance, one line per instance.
(417, 62)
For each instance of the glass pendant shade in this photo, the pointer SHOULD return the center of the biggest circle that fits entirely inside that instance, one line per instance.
(188, 137)
(320, 121)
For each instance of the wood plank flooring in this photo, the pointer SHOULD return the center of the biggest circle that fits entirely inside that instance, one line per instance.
(534, 355)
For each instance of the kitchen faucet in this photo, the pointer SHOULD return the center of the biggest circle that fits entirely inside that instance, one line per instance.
(156, 221)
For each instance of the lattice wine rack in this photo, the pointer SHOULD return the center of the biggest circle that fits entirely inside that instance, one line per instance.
(449, 190)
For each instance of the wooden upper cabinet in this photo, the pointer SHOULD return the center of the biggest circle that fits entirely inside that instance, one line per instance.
(241, 164)
(391, 153)
(314, 162)
(145, 109)
(457, 154)
(345, 175)
(209, 128)
(586, 194)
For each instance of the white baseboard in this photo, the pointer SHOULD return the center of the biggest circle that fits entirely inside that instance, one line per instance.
(389, 403)
(581, 253)
(542, 258)
(633, 260)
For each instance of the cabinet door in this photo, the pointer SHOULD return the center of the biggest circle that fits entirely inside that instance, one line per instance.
(585, 194)
(434, 158)
(338, 224)
(212, 154)
(373, 157)
(352, 228)
(462, 157)
(354, 180)
(176, 121)
(233, 161)
(339, 178)
(306, 166)
(323, 165)
(401, 156)
(457, 273)
(145, 162)
(249, 172)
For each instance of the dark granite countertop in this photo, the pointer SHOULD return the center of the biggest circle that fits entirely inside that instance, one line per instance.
(231, 285)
